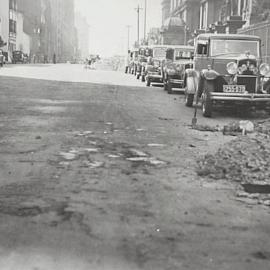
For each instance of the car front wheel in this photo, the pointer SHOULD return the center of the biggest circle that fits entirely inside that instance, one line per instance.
(148, 82)
(189, 98)
(207, 103)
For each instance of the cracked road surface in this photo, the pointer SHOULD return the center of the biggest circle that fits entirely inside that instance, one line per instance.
(97, 172)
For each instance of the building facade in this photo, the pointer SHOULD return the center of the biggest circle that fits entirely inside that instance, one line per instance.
(83, 28)
(8, 25)
(64, 34)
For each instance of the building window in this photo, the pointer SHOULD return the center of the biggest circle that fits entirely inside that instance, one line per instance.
(12, 26)
(13, 4)
(203, 15)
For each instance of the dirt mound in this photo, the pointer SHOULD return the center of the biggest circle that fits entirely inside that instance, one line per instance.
(246, 159)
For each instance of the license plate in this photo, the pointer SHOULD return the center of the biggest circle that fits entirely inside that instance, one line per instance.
(234, 88)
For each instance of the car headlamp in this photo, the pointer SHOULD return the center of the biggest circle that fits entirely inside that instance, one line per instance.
(171, 71)
(264, 69)
(232, 68)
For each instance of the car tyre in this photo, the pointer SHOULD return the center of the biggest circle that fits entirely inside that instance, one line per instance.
(143, 78)
(207, 103)
(169, 88)
(148, 82)
(138, 76)
(189, 98)
(165, 86)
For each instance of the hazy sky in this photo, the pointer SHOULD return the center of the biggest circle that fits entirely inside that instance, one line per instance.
(108, 20)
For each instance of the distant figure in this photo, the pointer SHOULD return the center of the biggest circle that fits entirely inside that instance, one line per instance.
(45, 59)
(54, 58)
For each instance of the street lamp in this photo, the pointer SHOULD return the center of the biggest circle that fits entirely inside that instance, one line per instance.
(145, 15)
(128, 35)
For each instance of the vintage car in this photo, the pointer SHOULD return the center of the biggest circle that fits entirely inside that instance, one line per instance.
(144, 53)
(18, 56)
(154, 65)
(178, 59)
(228, 68)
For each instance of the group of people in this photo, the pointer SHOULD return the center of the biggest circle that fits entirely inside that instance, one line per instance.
(89, 62)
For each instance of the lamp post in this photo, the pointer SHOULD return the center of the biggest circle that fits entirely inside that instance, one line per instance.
(128, 35)
(145, 17)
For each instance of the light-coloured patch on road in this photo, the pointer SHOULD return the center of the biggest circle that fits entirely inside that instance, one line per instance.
(49, 109)
(156, 145)
(149, 160)
(68, 155)
(51, 101)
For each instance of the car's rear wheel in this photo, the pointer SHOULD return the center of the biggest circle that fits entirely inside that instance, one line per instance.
(138, 76)
(148, 82)
(165, 86)
(169, 88)
(143, 78)
(207, 103)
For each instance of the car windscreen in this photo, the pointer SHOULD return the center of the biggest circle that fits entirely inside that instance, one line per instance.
(233, 47)
(159, 52)
(180, 54)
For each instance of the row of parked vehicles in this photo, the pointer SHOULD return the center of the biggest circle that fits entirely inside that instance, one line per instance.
(17, 57)
(220, 70)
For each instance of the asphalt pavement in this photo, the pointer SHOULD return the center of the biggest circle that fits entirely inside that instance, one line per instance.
(98, 171)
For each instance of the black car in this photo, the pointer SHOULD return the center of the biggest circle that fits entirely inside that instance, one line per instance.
(18, 57)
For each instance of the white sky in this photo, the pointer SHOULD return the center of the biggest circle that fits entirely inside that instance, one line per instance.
(108, 20)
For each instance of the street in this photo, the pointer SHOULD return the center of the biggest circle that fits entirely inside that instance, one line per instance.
(99, 172)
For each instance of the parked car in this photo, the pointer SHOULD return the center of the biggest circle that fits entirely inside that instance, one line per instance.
(178, 59)
(18, 56)
(153, 72)
(143, 54)
(228, 69)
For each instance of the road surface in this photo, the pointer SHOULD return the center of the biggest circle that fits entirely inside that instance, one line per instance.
(98, 172)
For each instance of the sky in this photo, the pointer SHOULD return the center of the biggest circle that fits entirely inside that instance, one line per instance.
(108, 20)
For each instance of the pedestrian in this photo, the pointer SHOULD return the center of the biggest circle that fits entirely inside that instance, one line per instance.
(54, 58)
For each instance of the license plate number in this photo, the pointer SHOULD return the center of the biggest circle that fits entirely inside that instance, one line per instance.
(234, 88)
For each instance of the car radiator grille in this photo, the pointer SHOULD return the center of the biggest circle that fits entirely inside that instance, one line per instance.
(249, 81)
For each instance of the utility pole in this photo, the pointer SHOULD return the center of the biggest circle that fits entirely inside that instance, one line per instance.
(128, 28)
(138, 9)
(145, 17)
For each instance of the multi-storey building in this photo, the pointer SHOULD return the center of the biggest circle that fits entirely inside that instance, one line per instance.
(37, 24)
(82, 27)
(8, 25)
(180, 19)
(64, 35)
